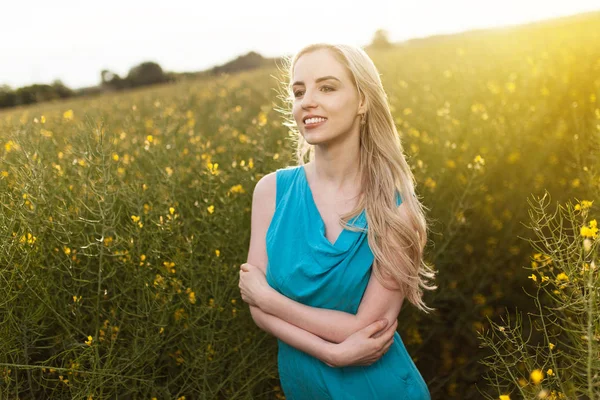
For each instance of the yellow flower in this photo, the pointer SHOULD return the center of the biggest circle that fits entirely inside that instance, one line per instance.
(171, 210)
(504, 397)
(533, 277)
(536, 376)
(550, 372)
(169, 266)
(9, 145)
(211, 209)
(478, 298)
(179, 313)
(236, 189)
(584, 205)
(68, 115)
(591, 230)
(89, 341)
(551, 345)
(562, 277)
(192, 297)
(135, 218)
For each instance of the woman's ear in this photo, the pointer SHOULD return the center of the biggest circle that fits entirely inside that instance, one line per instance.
(362, 106)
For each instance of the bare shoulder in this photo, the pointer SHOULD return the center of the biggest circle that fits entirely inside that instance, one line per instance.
(265, 187)
(263, 208)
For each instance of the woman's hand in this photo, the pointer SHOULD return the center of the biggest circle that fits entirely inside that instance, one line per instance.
(367, 345)
(253, 284)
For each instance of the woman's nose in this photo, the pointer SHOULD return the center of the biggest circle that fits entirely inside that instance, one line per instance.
(307, 99)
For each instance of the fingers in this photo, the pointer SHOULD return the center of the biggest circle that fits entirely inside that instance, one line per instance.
(388, 344)
(392, 328)
(376, 327)
(388, 334)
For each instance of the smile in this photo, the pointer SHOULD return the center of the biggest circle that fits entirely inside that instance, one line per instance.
(314, 122)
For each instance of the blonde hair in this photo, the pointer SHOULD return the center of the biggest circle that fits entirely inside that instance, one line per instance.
(397, 248)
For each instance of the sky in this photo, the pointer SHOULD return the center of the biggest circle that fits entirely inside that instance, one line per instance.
(74, 40)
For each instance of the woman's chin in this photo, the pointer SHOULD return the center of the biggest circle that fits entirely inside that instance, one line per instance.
(313, 134)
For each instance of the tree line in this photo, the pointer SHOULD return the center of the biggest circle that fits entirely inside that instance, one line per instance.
(146, 73)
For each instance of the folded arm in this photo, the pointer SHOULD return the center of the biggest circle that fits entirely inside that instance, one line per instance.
(377, 303)
(333, 325)
(295, 336)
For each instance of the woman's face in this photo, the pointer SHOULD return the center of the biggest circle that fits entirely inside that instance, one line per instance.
(335, 98)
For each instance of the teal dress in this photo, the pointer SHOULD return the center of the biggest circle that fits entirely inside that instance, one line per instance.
(306, 267)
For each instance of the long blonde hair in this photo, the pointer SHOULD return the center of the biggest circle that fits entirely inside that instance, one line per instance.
(397, 248)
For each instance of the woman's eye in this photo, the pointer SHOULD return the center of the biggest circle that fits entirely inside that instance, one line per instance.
(296, 94)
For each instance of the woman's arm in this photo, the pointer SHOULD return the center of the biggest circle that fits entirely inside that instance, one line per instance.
(335, 326)
(263, 208)
(329, 325)
(295, 336)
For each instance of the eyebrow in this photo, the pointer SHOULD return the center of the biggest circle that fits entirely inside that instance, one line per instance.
(323, 78)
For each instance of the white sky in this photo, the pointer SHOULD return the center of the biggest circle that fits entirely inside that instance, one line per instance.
(74, 40)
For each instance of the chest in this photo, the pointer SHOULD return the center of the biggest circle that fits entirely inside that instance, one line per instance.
(331, 209)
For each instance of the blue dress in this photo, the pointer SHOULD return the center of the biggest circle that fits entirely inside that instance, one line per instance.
(305, 266)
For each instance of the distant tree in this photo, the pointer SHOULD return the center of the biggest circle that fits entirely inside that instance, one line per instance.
(106, 77)
(25, 95)
(109, 79)
(248, 61)
(380, 40)
(147, 73)
(61, 90)
(8, 98)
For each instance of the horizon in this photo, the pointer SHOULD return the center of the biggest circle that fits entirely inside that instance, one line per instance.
(78, 44)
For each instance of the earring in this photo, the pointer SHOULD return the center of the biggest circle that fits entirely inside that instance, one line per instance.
(363, 119)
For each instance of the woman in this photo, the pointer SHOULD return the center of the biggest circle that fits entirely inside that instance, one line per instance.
(323, 289)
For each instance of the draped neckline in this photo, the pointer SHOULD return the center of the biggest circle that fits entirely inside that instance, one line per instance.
(310, 199)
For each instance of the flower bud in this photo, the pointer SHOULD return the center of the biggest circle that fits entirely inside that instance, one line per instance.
(587, 245)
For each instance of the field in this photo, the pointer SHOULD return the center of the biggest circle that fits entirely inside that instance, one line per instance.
(125, 217)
